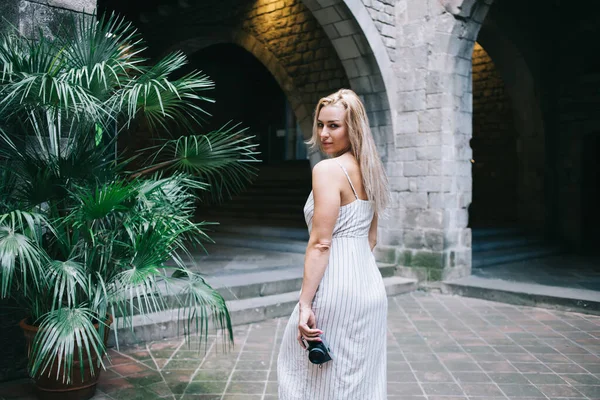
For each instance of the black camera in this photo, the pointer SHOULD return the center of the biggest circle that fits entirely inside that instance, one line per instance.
(318, 352)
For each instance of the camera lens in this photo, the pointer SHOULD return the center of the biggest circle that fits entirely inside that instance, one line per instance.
(316, 356)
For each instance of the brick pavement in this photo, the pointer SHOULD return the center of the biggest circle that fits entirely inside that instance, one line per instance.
(440, 348)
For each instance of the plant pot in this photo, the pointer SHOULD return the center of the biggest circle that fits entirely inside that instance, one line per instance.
(49, 387)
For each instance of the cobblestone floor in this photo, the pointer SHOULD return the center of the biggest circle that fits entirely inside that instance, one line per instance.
(440, 348)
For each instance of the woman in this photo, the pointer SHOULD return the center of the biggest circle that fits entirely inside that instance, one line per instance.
(343, 299)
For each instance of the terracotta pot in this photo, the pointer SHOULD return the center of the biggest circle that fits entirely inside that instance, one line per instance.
(51, 388)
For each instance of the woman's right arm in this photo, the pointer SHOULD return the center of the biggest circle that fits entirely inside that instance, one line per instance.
(326, 194)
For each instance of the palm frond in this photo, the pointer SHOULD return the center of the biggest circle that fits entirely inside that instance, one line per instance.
(18, 250)
(103, 55)
(200, 304)
(221, 158)
(61, 332)
(161, 101)
(97, 203)
(68, 278)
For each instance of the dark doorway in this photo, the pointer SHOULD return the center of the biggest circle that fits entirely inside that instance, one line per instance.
(246, 93)
(591, 193)
(494, 145)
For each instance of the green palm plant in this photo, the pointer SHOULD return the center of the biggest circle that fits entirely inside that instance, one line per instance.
(81, 236)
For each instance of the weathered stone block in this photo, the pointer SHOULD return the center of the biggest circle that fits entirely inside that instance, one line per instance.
(346, 28)
(389, 31)
(352, 70)
(429, 183)
(418, 273)
(431, 219)
(429, 153)
(86, 6)
(327, 15)
(466, 238)
(458, 258)
(404, 154)
(440, 100)
(377, 83)
(430, 120)
(331, 31)
(9, 10)
(412, 35)
(412, 57)
(386, 254)
(35, 17)
(443, 200)
(407, 122)
(434, 275)
(452, 238)
(415, 168)
(438, 82)
(434, 240)
(391, 237)
(435, 168)
(417, 10)
(398, 183)
(413, 239)
(408, 78)
(361, 83)
(427, 259)
(413, 200)
(412, 101)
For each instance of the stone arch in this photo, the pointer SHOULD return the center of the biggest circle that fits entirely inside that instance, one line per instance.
(345, 21)
(312, 41)
(366, 61)
(269, 60)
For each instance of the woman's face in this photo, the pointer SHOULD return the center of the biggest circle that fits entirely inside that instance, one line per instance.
(332, 130)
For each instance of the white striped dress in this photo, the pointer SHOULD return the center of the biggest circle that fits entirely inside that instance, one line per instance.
(350, 307)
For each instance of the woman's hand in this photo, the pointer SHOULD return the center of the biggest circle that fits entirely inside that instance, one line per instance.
(307, 326)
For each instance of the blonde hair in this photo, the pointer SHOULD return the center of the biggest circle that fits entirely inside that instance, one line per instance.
(362, 145)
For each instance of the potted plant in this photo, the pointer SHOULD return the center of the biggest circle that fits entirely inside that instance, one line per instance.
(83, 237)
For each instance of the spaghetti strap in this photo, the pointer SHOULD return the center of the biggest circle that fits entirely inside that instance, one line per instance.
(347, 176)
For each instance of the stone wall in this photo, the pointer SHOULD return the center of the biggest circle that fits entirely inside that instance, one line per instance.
(28, 17)
(383, 14)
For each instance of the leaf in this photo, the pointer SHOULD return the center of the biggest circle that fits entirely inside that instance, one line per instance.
(18, 254)
(200, 303)
(221, 158)
(64, 333)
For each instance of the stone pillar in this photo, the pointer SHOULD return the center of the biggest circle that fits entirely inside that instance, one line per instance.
(429, 166)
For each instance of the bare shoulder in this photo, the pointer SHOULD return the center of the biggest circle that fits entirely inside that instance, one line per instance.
(325, 168)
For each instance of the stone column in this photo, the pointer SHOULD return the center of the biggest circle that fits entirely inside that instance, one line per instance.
(429, 166)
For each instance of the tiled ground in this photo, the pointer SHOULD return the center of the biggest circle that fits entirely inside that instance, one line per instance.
(440, 348)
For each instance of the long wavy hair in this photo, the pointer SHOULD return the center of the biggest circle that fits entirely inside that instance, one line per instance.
(362, 145)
